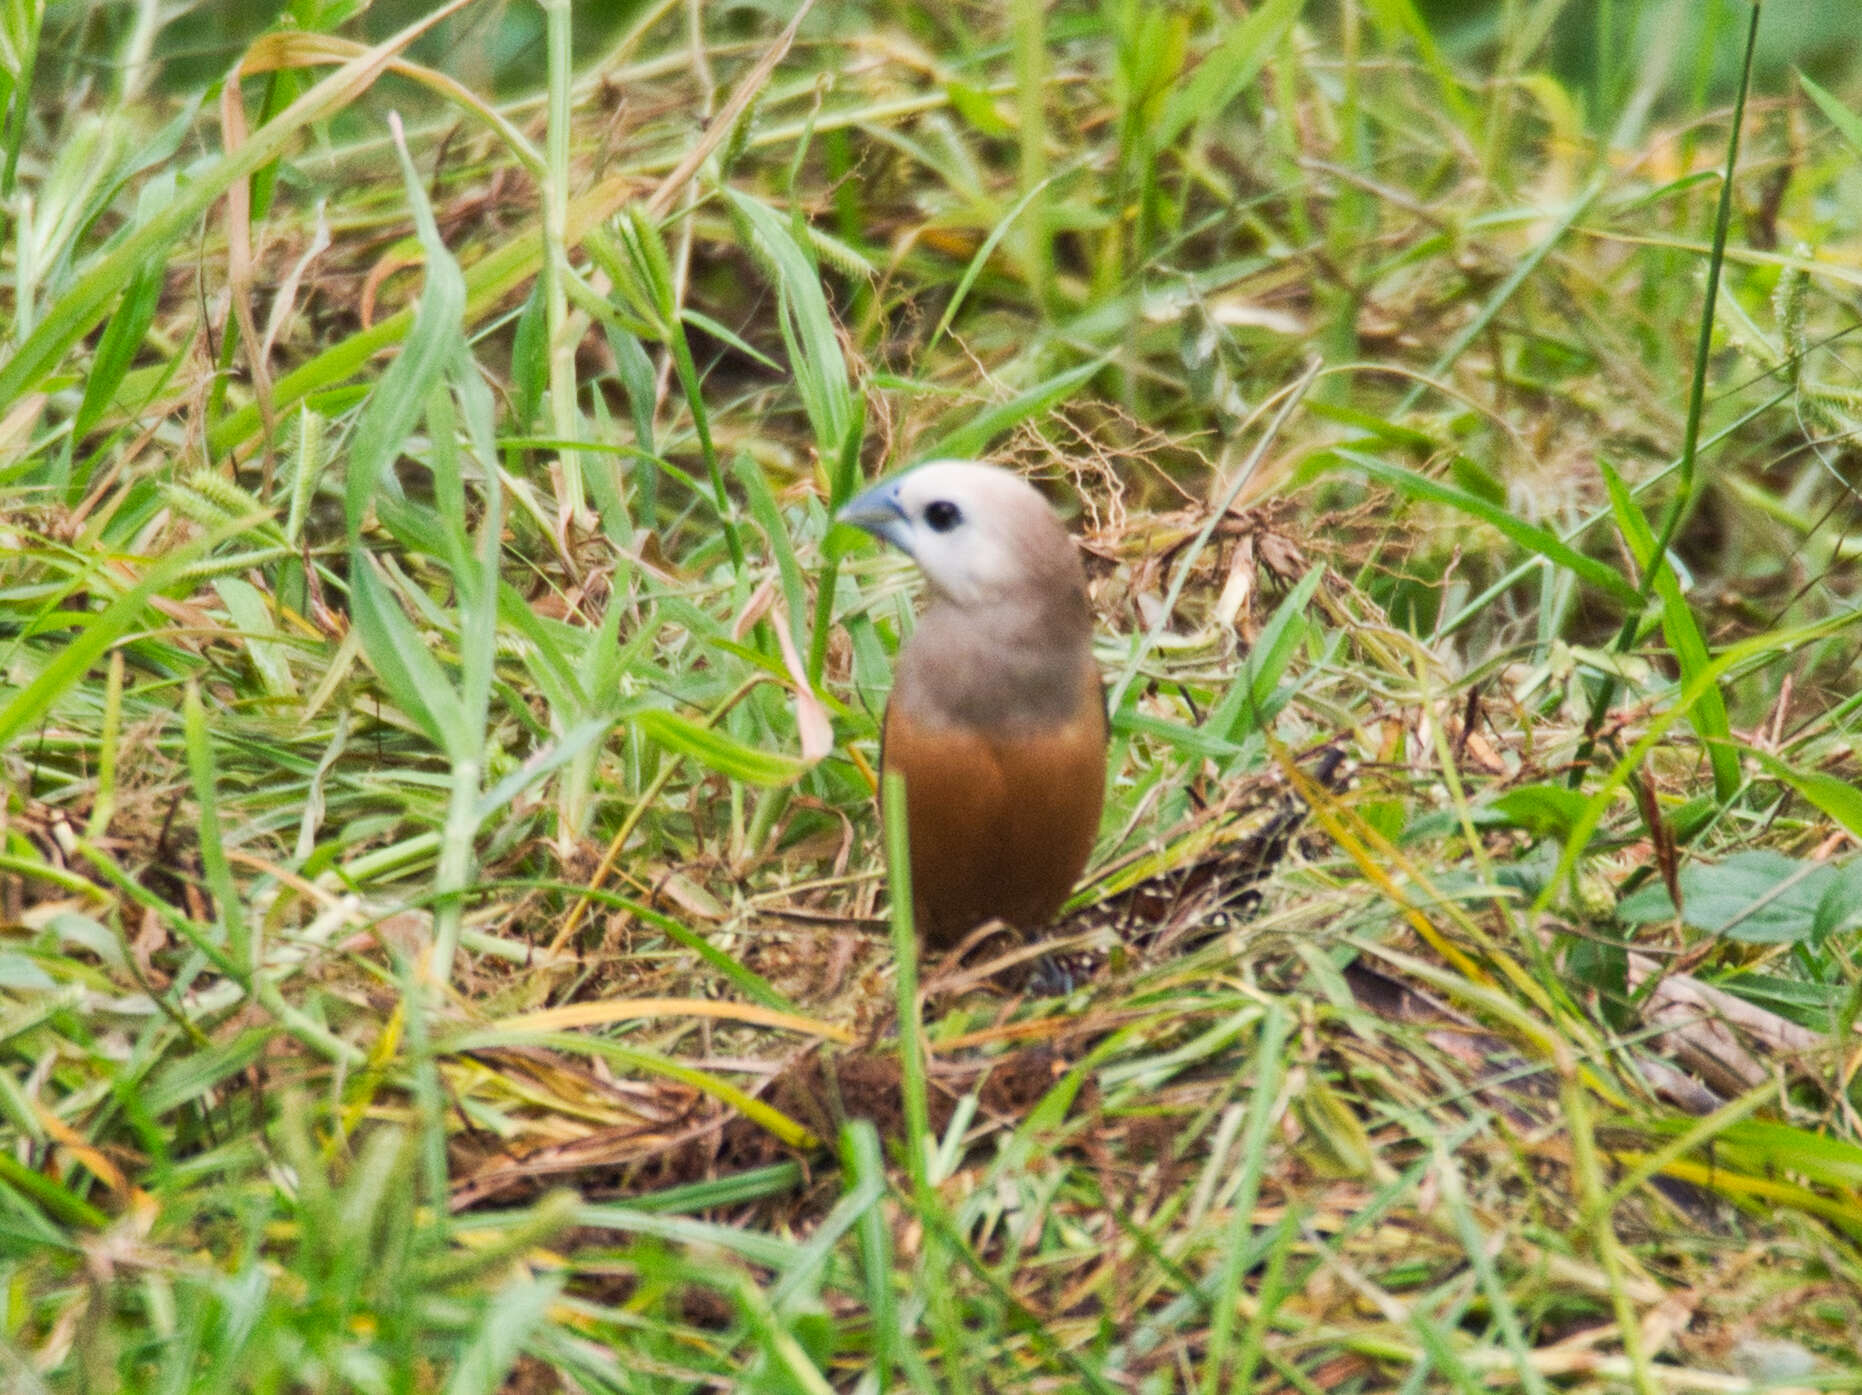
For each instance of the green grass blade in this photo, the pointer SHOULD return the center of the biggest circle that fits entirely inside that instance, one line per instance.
(1685, 640)
(719, 751)
(513, 1313)
(403, 662)
(1529, 536)
(1847, 123)
(1227, 70)
(973, 438)
(98, 632)
(432, 343)
(808, 334)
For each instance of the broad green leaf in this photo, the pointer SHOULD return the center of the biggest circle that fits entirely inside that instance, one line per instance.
(1757, 896)
(1544, 810)
(1841, 906)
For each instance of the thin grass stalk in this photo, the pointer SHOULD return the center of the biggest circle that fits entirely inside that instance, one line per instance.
(862, 1160)
(261, 987)
(477, 583)
(1023, 1321)
(1697, 1137)
(422, 996)
(1607, 72)
(571, 503)
(1703, 350)
(845, 476)
(509, 265)
(1289, 399)
(826, 583)
(783, 1355)
(912, 1085)
(1004, 1230)
(107, 749)
(640, 809)
(689, 383)
(135, 61)
(1476, 1246)
(1598, 1209)
(1477, 604)
(1696, 400)
(25, 44)
(1268, 1071)
(1267, 1300)
(218, 872)
(1028, 19)
(914, 1090)
(1502, 295)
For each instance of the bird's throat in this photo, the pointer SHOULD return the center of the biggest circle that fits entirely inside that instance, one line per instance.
(997, 667)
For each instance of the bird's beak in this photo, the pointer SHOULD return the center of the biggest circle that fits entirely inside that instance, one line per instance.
(880, 513)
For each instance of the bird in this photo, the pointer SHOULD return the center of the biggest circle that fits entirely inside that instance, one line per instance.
(997, 717)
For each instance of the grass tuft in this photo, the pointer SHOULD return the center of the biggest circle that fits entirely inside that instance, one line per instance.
(443, 933)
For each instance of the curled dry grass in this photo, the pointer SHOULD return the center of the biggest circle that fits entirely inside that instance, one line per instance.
(443, 939)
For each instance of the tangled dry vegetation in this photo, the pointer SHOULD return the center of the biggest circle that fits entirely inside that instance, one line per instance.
(443, 935)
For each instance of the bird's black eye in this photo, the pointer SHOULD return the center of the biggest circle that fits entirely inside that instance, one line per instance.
(942, 515)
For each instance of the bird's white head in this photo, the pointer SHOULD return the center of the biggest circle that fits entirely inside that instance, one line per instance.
(982, 535)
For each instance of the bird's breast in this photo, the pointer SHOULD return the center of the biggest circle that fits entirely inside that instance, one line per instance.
(1002, 809)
